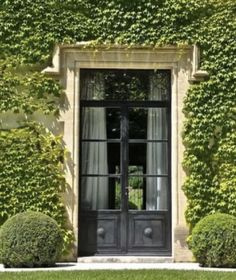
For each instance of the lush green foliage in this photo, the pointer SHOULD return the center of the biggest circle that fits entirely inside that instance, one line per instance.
(119, 275)
(29, 29)
(28, 92)
(213, 241)
(210, 129)
(30, 239)
(31, 164)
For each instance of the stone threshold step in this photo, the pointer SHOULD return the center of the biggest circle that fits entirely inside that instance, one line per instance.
(125, 259)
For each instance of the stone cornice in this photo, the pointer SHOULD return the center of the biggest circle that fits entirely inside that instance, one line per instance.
(197, 74)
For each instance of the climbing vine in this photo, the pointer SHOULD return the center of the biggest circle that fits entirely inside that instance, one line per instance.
(29, 92)
(31, 178)
(30, 29)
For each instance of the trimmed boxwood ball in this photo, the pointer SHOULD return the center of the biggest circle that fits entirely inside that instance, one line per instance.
(213, 241)
(30, 239)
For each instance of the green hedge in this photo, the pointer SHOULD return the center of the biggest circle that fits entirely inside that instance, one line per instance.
(30, 29)
(213, 241)
(30, 239)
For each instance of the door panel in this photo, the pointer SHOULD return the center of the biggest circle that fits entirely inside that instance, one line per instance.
(101, 232)
(108, 231)
(148, 232)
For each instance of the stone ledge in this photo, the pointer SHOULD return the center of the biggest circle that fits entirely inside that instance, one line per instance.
(125, 259)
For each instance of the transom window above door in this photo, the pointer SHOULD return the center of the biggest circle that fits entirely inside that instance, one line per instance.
(125, 85)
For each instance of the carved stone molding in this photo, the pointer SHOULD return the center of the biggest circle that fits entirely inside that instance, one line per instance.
(197, 75)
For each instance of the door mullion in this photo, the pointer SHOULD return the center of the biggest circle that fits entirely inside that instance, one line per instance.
(124, 176)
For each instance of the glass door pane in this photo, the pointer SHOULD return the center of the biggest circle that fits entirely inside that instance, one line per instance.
(138, 123)
(148, 158)
(157, 120)
(137, 158)
(136, 188)
(157, 193)
(100, 158)
(113, 117)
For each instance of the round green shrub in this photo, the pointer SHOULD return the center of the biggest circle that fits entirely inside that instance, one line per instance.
(30, 239)
(213, 241)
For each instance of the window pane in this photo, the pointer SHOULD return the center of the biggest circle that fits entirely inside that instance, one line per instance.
(114, 158)
(100, 193)
(138, 123)
(99, 123)
(94, 158)
(94, 123)
(92, 85)
(148, 123)
(136, 192)
(157, 158)
(135, 170)
(157, 128)
(115, 197)
(159, 85)
(129, 85)
(113, 123)
(156, 193)
(137, 154)
(135, 187)
(95, 155)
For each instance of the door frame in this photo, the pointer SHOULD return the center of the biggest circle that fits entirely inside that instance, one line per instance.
(126, 215)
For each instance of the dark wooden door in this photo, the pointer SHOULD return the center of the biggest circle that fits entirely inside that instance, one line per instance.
(125, 204)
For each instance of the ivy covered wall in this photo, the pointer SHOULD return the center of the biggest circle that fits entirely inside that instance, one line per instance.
(31, 164)
(30, 29)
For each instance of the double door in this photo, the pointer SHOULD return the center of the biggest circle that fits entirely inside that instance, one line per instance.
(124, 176)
